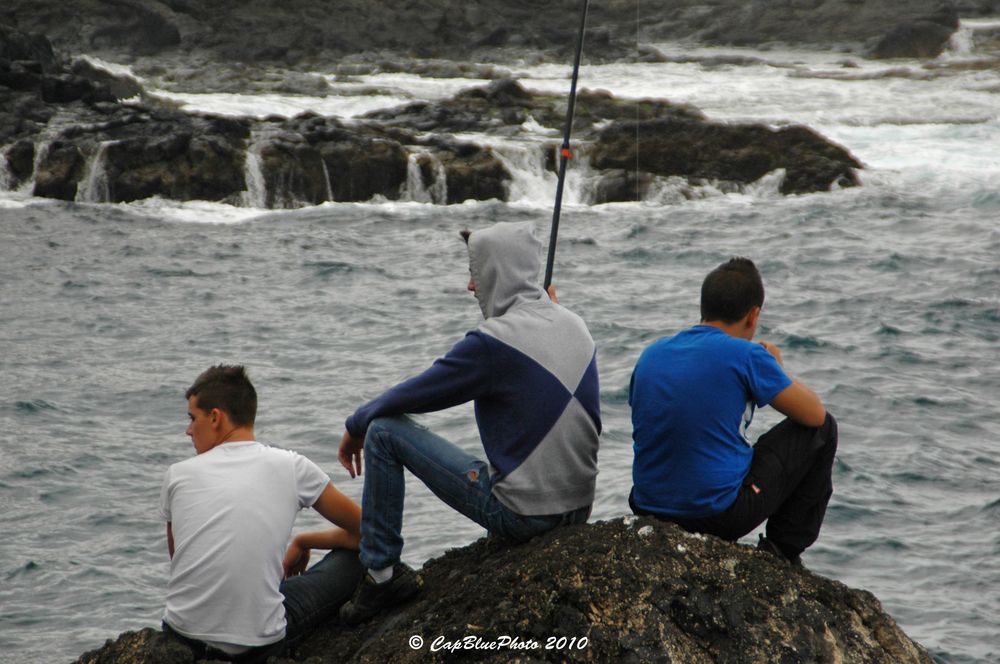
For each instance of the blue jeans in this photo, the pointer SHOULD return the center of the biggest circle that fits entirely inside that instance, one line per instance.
(314, 596)
(458, 478)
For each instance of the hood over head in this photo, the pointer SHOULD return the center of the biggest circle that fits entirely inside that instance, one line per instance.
(505, 261)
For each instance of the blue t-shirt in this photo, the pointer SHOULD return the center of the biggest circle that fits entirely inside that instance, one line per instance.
(693, 396)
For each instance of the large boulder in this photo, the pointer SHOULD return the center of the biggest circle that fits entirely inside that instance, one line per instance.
(60, 172)
(470, 172)
(123, 27)
(16, 45)
(361, 168)
(629, 590)
(121, 86)
(922, 37)
(725, 152)
(131, 153)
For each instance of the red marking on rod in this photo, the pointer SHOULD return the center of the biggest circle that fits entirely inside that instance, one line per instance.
(566, 152)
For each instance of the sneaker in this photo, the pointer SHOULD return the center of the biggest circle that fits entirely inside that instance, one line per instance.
(765, 544)
(372, 598)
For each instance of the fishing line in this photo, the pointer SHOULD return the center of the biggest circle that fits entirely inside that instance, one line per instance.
(565, 154)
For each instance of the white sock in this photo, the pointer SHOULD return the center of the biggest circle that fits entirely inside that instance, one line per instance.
(381, 575)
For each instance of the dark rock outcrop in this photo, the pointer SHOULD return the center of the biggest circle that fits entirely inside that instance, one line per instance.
(65, 134)
(619, 591)
(21, 46)
(719, 151)
(978, 7)
(922, 37)
(120, 86)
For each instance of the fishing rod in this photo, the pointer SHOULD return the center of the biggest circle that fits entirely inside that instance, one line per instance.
(565, 154)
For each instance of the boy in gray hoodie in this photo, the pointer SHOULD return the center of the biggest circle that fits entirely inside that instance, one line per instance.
(531, 370)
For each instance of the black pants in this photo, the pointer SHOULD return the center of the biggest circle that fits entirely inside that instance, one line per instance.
(311, 599)
(202, 650)
(789, 485)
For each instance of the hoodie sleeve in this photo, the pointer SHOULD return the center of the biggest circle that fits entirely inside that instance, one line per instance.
(462, 375)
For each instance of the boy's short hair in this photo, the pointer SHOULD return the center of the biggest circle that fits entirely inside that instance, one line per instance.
(731, 290)
(229, 389)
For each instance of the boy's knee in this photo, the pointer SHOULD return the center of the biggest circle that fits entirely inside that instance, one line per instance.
(378, 427)
(829, 430)
(382, 430)
(830, 424)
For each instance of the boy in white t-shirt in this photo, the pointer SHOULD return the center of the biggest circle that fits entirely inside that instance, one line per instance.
(233, 593)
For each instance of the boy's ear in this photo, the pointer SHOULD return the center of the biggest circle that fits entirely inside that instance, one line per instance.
(218, 417)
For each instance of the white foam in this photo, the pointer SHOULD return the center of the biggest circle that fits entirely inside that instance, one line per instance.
(114, 68)
(192, 212)
(255, 195)
(264, 105)
(94, 187)
(12, 201)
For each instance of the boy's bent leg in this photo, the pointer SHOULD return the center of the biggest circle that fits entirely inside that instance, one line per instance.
(395, 443)
(458, 478)
(788, 485)
(797, 462)
(315, 595)
(392, 444)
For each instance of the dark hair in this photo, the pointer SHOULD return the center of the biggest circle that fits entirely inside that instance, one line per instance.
(465, 233)
(731, 290)
(229, 389)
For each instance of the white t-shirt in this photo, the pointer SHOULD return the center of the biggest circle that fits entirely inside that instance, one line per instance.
(231, 511)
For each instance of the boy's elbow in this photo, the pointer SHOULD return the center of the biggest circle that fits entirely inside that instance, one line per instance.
(814, 417)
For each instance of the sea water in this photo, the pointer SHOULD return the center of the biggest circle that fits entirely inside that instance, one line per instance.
(884, 298)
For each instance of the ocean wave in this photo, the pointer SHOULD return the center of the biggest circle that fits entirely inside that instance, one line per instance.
(29, 567)
(189, 212)
(796, 341)
(326, 269)
(616, 397)
(33, 406)
(174, 273)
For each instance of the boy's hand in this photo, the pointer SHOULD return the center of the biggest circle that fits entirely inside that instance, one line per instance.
(773, 350)
(296, 559)
(350, 453)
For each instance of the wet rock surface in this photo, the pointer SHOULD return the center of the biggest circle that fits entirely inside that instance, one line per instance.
(68, 134)
(921, 37)
(628, 590)
(724, 152)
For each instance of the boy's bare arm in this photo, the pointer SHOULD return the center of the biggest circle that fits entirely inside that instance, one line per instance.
(339, 510)
(796, 401)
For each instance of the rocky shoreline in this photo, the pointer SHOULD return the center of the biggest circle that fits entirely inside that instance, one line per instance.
(74, 131)
(626, 590)
(65, 133)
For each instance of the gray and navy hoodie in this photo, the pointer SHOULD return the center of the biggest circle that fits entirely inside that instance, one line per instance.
(531, 369)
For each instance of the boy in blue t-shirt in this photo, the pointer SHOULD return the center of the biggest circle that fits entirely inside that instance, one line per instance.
(693, 397)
